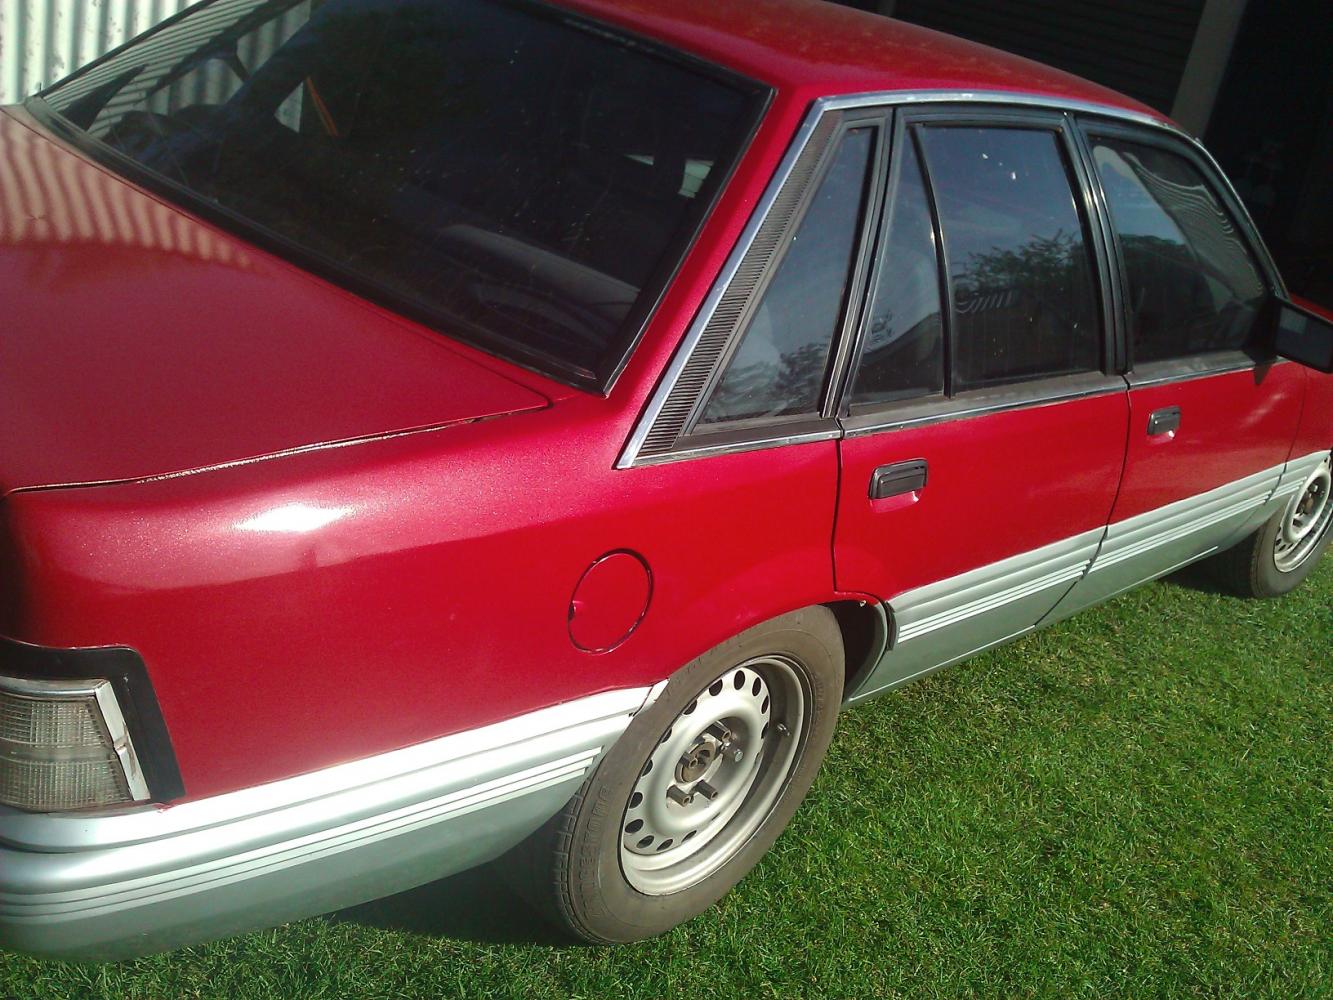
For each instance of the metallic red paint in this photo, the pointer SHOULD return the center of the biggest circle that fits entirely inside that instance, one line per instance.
(139, 341)
(279, 652)
(1231, 426)
(809, 50)
(998, 485)
(343, 602)
(337, 602)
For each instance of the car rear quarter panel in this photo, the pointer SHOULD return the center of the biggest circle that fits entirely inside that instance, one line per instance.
(324, 606)
(298, 613)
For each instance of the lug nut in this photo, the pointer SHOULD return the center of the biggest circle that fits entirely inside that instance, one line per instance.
(676, 795)
(706, 790)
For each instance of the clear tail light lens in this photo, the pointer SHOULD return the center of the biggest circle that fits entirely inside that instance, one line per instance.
(64, 745)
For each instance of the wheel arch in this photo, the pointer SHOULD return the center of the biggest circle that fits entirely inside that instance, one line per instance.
(865, 626)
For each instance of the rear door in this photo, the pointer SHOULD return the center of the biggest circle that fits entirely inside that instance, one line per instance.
(985, 427)
(1212, 414)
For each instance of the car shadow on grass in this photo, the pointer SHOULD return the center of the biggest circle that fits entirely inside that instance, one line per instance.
(475, 905)
(1199, 577)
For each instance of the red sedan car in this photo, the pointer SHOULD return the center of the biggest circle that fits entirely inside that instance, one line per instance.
(431, 430)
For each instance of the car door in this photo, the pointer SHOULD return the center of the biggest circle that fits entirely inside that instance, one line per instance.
(984, 423)
(1213, 414)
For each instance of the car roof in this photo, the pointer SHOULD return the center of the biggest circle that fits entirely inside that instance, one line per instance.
(813, 48)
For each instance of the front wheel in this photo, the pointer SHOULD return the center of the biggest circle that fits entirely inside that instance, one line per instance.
(1281, 554)
(697, 789)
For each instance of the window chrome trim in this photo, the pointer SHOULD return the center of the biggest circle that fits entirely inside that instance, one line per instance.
(1062, 129)
(888, 100)
(700, 447)
(979, 402)
(1171, 370)
(865, 229)
(629, 456)
(1016, 98)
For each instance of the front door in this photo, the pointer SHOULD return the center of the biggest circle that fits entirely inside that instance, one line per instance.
(985, 429)
(1212, 416)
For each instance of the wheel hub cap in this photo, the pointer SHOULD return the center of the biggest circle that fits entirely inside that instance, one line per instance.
(713, 776)
(1306, 519)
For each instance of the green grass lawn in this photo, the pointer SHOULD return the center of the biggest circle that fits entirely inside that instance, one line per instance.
(1134, 803)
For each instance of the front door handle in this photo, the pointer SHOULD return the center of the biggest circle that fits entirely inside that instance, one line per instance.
(1164, 421)
(897, 479)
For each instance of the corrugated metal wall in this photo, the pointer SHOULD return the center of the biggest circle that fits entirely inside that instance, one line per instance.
(44, 40)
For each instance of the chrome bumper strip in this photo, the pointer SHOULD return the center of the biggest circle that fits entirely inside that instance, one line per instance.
(120, 884)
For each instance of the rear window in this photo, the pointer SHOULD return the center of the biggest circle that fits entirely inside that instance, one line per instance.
(1024, 301)
(520, 177)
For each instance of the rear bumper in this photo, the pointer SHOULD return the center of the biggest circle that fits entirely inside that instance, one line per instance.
(116, 885)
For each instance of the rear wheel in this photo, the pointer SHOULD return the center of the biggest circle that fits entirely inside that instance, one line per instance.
(1281, 554)
(697, 789)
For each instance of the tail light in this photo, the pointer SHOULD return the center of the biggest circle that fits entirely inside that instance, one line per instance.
(64, 745)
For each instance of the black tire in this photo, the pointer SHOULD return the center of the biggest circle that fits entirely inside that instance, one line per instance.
(572, 868)
(1251, 568)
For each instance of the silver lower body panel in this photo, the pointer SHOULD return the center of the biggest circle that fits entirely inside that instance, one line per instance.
(121, 884)
(953, 619)
(949, 621)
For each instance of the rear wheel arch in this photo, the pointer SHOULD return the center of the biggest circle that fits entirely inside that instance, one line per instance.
(866, 627)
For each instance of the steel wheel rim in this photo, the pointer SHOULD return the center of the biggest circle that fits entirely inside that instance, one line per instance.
(696, 803)
(1306, 519)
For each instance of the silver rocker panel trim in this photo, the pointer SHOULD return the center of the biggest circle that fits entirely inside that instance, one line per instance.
(952, 602)
(1153, 544)
(1135, 537)
(1297, 472)
(951, 620)
(128, 883)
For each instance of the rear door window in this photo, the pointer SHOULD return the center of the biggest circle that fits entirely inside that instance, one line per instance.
(1024, 300)
(903, 352)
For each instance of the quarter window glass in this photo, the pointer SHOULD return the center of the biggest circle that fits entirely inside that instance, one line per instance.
(779, 367)
(1019, 265)
(1193, 287)
(903, 352)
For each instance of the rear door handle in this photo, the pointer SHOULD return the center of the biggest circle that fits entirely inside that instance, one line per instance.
(897, 479)
(1164, 421)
